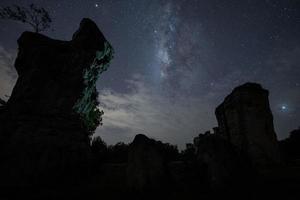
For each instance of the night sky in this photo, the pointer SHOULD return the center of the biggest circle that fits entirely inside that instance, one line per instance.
(176, 60)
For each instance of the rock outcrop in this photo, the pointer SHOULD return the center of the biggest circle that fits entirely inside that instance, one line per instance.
(224, 165)
(146, 170)
(290, 147)
(245, 119)
(46, 123)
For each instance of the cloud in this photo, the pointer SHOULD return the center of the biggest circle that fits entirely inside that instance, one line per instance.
(144, 110)
(8, 74)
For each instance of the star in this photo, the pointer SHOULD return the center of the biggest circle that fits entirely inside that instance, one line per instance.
(283, 107)
(96, 5)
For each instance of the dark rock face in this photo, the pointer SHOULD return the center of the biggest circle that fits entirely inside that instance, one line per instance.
(290, 147)
(223, 164)
(46, 123)
(245, 119)
(146, 169)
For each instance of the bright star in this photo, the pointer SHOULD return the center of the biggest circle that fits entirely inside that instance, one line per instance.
(283, 107)
(96, 5)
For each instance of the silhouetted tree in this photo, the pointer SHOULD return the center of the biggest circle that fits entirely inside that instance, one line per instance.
(99, 151)
(35, 16)
(188, 154)
(169, 151)
(118, 153)
(102, 153)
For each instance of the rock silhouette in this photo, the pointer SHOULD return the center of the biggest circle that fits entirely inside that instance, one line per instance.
(46, 123)
(290, 146)
(146, 168)
(226, 166)
(245, 119)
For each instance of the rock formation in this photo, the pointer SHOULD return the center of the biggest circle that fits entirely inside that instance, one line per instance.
(146, 169)
(290, 147)
(46, 123)
(223, 164)
(245, 119)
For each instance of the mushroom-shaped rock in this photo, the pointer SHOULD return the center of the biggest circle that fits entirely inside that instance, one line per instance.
(47, 121)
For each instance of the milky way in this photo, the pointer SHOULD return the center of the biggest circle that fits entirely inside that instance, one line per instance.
(176, 60)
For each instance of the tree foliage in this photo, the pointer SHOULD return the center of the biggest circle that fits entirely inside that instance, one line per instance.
(118, 153)
(98, 146)
(104, 153)
(37, 17)
(87, 104)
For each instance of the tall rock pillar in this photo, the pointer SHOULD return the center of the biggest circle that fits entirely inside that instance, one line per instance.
(246, 120)
(47, 122)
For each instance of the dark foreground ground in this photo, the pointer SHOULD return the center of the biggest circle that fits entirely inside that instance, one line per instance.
(110, 181)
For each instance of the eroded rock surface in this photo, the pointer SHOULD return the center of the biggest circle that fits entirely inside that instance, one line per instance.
(245, 119)
(224, 165)
(46, 123)
(146, 170)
